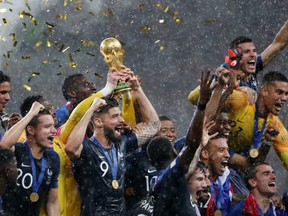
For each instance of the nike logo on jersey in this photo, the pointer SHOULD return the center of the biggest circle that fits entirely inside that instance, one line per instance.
(151, 170)
(120, 154)
(24, 165)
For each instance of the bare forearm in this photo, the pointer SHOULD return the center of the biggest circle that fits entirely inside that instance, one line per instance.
(53, 209)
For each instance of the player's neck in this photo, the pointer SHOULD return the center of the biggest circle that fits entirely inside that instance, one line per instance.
(103, 140)
(36, 150)
(263, 112)
(262, 201)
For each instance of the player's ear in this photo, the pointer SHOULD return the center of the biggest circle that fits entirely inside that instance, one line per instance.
(252, 183)
(30, 130)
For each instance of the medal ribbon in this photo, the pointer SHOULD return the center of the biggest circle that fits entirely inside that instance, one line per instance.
(36, 182)
(220, 198)
(258, 135)
(113, 164)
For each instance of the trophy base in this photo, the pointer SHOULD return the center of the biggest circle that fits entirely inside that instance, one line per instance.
(122, 87)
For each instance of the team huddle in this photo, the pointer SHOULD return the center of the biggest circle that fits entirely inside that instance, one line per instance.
(108, 152)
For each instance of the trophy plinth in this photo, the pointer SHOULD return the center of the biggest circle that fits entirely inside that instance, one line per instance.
(112, 51)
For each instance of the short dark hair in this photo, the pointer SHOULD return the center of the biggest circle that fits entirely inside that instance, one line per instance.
(202, 167)
(160, 150)
(6, 156)
(27, 104)
(207, 147)
(164, 118)
(272, 76)
(110, 103)
(4, 77)
(239, 40)
(250, 172)
(68, 85)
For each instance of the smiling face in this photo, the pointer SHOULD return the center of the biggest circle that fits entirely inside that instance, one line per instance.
(249, 57)
(275, 96)
(222, 125)
(44, 132)
(264, 182)
(112, 123)
(167, 130)
(217, 152)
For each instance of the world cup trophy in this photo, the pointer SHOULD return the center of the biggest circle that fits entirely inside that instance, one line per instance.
(113, 53)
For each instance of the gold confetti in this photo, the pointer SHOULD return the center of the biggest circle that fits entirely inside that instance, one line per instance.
(145, 28)
(48, 43)
(7, 55)
(33, 75)
(3, 10)
(27, 5)
(179, 20)
(4, 21)
(33, 20)
(159, 6)
(10, 9)
(166, 9)
(63, 49)
(162, 48)
(78, 7)
(38, 44)
(26, 57)
(77, 30)
(50, 27)
(60, 73)
(209, 21)
(64, 17)
(87, 43)
(6, 65)
(13, 36)
(25, 27)
(161, 21)
(45, 62)
(157, 41)
(28, 88)
(72, 63)
(91, 13)
(98, 75)
(108, 13)
(141, 7)
(78, 50)
(65, 3)
(15, 44)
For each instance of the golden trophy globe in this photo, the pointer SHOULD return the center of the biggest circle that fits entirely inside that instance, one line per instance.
(113, 53)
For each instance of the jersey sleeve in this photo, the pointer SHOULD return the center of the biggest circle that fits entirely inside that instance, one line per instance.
(194, 95)
(131, 142)
(237, 100)
(281, 142)
(76, 115)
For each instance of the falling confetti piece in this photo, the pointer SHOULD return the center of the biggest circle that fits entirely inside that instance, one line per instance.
(28, 88)
(161, 21)
(7, 55)
(98, 75)
(27, 5)
(141, 7)
(179, 21)
(38, 44)
(48, 43)
(166, 9)
(162, 48)
(157, 41)
(108, 13)
(3, 10)
(91, 54)
(15, 44)
(145, 28)
(25, 27)
(64, 17)
(78, 50)
(72, 63)
(45, 62)
(50, 27)
(6, 65)
(13, 36)
(4, 21)
(26, 57)
(78, 7)
(209, 21)
(91, 13)
(159, 6)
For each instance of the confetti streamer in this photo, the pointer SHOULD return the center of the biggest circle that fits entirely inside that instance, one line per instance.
(28, 88)
(72, 63)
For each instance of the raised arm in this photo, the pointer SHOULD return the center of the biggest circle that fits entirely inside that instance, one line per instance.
(194, 134)
(74, 145)
(151, 123)
(279, 43)
(13, 134)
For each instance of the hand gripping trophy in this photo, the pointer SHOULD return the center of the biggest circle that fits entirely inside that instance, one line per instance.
(112, 51)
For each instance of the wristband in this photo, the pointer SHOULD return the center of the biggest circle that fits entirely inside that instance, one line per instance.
(108, 89)
(201, 106)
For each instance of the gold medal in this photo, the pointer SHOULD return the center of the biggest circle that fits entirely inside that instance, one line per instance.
(34, 197)
(115, 184)
(254, 152)
(217, 213)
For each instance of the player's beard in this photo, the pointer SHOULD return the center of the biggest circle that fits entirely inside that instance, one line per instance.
(109, 134)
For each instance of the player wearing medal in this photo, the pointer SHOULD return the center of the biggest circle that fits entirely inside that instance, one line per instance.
(170, 190)
(99, 162)
(248, 119)
(261, 180)
(38, 165)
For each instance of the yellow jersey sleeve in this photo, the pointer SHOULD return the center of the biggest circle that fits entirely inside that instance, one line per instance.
(194, 95)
